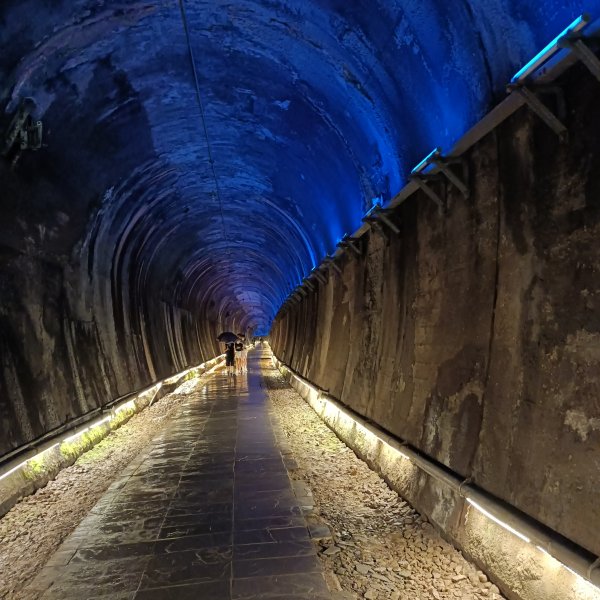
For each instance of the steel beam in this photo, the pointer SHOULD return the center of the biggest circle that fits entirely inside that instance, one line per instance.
(583, 52)
(540, 109)
(421, 181)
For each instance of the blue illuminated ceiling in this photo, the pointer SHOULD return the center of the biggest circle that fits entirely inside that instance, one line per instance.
(307, 110)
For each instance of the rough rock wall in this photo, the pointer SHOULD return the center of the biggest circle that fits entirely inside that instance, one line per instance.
(81, 321)
(475, 335)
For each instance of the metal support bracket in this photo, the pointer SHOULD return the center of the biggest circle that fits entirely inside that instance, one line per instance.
(377, 227)
(422, 182)
(540, 109)
(328, 261)
(381, 215)
(349, 242)
(319, 276)
(576, 43)
(464, 482)
(595, 565)
(308, 284)
(443, 164)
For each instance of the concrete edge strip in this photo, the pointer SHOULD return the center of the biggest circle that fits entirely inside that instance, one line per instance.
(394, 459)
(24, 475)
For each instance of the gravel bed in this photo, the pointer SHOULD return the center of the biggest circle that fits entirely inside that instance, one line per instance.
(381, 549)
(33, 529)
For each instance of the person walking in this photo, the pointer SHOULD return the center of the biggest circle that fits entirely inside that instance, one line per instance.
(239, 350)
(244, 358)
(230, 358)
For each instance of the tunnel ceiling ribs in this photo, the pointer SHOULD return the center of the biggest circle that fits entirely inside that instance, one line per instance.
(308, 110)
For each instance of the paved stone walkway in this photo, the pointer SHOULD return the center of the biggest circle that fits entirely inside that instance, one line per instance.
(208, 513)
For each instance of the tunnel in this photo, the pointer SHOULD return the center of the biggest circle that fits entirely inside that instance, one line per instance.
(395, 204)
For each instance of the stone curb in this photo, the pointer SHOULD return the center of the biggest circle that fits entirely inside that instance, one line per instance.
(23, 477)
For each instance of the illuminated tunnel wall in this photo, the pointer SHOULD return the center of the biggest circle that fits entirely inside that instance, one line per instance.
(201, 157)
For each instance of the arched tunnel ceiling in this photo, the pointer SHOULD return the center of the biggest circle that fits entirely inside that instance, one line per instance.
(226, 196)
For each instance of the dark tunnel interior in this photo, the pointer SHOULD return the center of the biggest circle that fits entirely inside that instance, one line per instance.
(210, 154)
(187, 164)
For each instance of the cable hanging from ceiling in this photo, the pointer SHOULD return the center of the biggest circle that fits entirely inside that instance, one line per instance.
(211, 161)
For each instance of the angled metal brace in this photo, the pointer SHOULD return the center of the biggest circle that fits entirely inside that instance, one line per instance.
(443, 165)
(540, 109)
(317, 275)
(348, 242)
(593, 566)
(376, 225)
(323, 268)
(308, 284)
(421, 181)
(330, 262)
(576, 43)
(380, 214)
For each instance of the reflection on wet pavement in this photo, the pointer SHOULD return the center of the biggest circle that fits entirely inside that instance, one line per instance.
(207, 512)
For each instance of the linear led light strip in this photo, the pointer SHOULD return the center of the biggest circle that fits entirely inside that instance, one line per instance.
(537, 61)
(333, 407)
(502, 524)
(26, 461)
(426, 161)
(127, 405)
(551, 49)
(200, 366)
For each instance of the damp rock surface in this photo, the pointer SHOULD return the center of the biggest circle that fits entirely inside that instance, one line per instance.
(31, 531)
(381, 548)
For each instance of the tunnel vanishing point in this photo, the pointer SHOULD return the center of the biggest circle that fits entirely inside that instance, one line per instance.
(404, 195)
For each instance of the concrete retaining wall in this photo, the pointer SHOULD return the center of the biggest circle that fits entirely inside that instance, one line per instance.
(475, 334)
(32, 470)
(85, 315)
(520, 568)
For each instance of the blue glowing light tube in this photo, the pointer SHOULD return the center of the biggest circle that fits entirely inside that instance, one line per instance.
(433, 154)
(539, 59)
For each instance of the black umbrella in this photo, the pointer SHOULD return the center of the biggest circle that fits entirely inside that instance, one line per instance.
(227, 337)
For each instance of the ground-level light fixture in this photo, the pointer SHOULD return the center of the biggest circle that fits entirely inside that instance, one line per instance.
(341, 419)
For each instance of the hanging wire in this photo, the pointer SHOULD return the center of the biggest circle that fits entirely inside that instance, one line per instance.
(184, 19)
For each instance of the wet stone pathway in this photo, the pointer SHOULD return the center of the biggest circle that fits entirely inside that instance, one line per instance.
(208, 512)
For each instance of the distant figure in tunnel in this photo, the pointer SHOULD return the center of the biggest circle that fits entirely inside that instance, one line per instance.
(230, 358)
(239, 350)
(245, 358)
